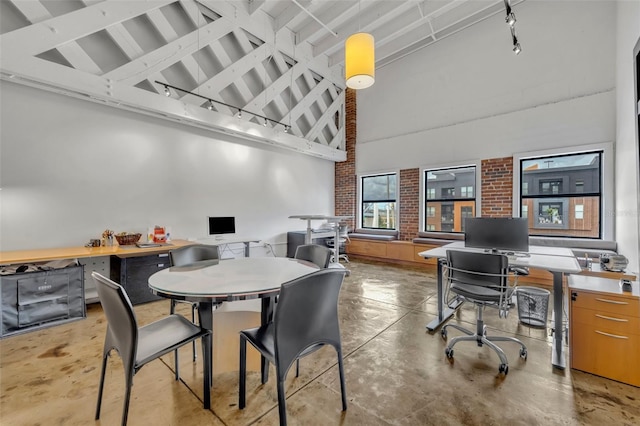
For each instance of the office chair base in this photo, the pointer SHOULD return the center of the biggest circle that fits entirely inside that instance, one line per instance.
(483, 339)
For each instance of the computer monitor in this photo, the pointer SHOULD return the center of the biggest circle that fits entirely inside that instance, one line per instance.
(222, 225)
(505, 234)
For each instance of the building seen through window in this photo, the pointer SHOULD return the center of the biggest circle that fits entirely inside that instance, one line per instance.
(449, 198)
(378, 208)
(561, 195)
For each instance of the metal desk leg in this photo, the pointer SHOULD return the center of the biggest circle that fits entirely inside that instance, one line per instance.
(205, 312)
(443, 312)
(307, 238)
(557, 350)
(247, 246)
(266, 315)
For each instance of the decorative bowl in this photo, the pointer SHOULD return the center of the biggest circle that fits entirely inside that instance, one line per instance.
(128, 240)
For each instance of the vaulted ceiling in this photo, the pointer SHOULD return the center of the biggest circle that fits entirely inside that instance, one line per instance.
(275, 59)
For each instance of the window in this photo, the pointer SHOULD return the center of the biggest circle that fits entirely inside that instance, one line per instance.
(431, 193)
(562, 194)
(447, 213)
(379, 201)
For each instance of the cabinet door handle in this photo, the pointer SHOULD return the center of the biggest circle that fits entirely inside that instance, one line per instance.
(615, 302)
(611, 335)
(160, 265)
(612, 319)
(163, 255)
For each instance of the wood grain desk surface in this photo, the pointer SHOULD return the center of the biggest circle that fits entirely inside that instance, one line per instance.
(43, 255)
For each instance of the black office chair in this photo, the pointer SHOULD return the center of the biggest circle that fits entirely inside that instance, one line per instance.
(138, 346)
(481, 278)
(320, 255)
(185, 256)
(306, 320)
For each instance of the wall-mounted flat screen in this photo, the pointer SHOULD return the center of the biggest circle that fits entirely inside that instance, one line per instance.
(508, 234)
(222, 225)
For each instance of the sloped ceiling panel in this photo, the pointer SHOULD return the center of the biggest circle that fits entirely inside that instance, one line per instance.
(276, 59)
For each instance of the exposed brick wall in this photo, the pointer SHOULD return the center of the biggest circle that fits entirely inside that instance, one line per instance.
(497, 187)
(345, 174)
(409, 187)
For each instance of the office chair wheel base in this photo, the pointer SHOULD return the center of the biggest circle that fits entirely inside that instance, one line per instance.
(449, 353)
(443, 333)
(523, 354)
(503, 369)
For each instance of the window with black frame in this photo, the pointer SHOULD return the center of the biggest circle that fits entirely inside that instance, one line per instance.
(378, 208)
(450, 196)
(561, 194)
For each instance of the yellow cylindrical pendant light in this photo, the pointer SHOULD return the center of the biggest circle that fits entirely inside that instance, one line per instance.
(359, 61)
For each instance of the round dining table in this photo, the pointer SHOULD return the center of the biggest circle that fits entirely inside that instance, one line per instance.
(213, 282)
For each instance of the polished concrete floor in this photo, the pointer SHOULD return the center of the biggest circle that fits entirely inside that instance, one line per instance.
(396, 373)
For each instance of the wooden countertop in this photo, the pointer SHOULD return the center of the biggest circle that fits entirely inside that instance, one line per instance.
(44, 255)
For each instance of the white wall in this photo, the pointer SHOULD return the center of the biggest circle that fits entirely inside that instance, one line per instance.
(627, 192)
(71, 168)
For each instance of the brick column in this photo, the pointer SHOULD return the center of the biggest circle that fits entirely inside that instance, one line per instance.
(409, 187)
(345, 172)
(497, 187)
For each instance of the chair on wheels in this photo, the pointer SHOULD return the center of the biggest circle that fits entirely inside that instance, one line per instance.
(306, 320)
(138, 345)
(320, 255)
(185, 256)
(343, 234)
(481, 278)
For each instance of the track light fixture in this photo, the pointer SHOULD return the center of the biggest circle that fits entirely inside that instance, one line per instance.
(510, 19)
(210, 105)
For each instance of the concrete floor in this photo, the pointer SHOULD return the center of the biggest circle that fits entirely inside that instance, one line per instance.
(396, 373)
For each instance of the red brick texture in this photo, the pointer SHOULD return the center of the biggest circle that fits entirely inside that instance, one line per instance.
(497, 187)
(409, 199)
(346, 181)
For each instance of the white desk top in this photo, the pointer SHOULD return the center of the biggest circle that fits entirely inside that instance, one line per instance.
(247, 276)
(556, 259)
(320, 217)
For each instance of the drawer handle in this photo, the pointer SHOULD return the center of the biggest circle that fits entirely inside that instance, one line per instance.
(615, 302)
(612, 319)
(160, 265)
(611, 335)
(163, 255)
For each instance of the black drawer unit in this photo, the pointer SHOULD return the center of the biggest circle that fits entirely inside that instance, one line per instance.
(31, 300)
(133, 274)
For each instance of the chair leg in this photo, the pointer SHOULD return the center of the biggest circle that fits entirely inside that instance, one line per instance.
(343, 386)
(127, 397)
(242, 380)
(282, 403)
(172, 311)
(297, 367)
(193, 320)
(105, 357)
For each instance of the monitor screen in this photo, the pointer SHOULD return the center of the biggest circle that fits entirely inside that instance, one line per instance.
(222, 225)
(505, 233)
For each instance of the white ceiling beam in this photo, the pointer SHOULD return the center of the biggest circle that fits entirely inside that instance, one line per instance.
(325, 120)
(254, 5)
(35, 12)
(54, 32)
(167, 55)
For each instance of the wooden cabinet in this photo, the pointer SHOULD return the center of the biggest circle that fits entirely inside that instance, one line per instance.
(133, 274)
(605, 328)
(367, 248)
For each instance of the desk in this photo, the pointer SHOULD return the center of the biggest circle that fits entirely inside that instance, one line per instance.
(557, 260)
(223, 240)
(212, 282)
(334, 220)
